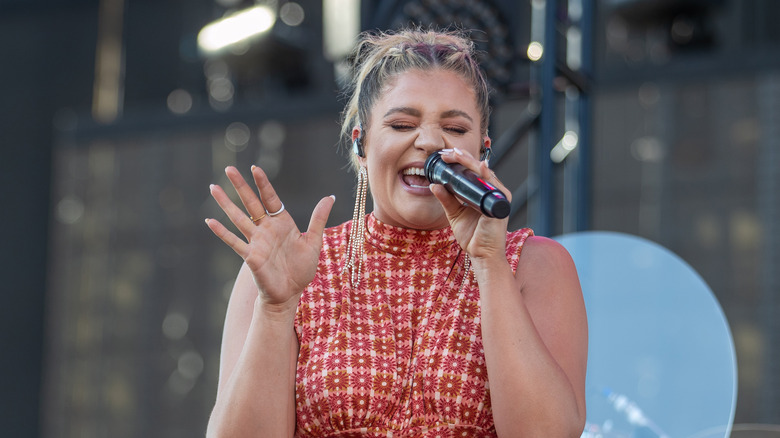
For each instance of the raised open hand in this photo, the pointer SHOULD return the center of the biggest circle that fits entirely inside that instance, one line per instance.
(283, 260)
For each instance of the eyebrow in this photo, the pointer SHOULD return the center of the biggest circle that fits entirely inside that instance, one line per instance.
(414, 112)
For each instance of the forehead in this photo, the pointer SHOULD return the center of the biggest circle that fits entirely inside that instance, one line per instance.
(436, 89)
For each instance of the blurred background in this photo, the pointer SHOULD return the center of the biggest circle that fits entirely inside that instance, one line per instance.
(655, 118)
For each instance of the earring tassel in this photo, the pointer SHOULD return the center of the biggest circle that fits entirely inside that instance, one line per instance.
(357, 233)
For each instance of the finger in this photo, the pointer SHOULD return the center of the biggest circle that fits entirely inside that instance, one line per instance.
(481, 168)
(252, 203)
(319, 217)
(237, 216)
(236, 244)
(452, 205)
(489, 175)
(267, 192)
(456, 155)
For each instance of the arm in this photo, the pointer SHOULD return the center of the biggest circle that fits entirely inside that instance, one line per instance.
(534, 331)
(256, 392)
(534, 327)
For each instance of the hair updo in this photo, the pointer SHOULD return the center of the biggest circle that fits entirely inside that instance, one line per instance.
(379, 56)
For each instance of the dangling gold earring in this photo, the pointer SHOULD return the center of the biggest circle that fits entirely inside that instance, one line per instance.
(357, 233)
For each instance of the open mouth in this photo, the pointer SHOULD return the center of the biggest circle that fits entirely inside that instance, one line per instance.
(415, 177)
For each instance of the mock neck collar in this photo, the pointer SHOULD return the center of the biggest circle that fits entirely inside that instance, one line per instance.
(399, 241)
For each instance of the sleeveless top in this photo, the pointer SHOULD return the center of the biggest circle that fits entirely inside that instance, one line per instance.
(400, 355)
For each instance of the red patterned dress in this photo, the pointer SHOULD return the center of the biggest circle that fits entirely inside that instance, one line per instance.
(401, 354)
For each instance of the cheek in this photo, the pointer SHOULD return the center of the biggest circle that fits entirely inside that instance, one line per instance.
(381, 178)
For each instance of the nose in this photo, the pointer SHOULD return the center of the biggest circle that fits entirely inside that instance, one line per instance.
(429, 140)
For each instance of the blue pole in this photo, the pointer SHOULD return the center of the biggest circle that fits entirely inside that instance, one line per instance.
(545, 213)
(584, 179)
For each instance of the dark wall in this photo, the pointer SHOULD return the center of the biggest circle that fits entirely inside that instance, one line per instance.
(47, 52)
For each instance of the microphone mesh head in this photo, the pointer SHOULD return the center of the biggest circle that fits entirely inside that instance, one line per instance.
(430, 164)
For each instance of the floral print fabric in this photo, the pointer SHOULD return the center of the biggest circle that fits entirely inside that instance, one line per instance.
(400, 355)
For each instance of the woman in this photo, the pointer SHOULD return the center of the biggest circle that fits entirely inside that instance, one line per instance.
(393, 323)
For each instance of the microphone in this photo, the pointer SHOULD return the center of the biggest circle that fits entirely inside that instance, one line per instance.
(467, 186)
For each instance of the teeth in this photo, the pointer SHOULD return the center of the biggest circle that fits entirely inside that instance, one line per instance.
(414, 171)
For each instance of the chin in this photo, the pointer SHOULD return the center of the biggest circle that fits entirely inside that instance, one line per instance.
(426, 219)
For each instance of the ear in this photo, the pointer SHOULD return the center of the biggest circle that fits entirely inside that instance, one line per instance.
(357, 143)
(484, 150)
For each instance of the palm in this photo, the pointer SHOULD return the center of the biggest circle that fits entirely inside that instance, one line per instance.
(281, 258)
(477, 235)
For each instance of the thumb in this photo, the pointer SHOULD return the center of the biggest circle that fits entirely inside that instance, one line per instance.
(319, 217)
(450, 203)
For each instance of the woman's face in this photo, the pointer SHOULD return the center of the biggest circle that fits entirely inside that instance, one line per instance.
(417, 113)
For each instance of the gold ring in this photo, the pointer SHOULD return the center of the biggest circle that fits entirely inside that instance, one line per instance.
(255, 220)
(277, 211)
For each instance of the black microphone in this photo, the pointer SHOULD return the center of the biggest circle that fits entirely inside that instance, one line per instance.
(467, 186)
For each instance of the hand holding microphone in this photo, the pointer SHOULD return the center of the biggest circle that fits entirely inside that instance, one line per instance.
(467, 186)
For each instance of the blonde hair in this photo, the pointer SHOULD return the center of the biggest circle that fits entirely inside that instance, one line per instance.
(379, 56)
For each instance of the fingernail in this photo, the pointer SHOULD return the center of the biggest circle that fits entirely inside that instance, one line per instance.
(445, 151)
(253, 167)
(334, 197)
(211, 186)
(207, 221)
(457, 151)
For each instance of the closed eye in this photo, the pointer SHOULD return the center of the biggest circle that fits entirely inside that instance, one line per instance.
(457, 130)
(402, 126)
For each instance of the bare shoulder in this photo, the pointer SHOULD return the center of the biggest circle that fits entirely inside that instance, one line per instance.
(548, 280)
(551, 291)
(544, 259)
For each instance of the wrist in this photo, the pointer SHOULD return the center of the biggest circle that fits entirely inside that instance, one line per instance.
(277, 312)
(487, 265)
